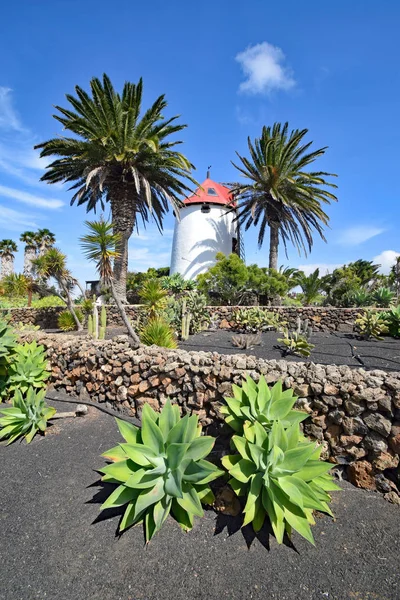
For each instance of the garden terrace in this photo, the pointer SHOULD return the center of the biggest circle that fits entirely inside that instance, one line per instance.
(354, 413)
(56, 545)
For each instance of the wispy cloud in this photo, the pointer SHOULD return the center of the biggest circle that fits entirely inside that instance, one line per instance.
(386, 260)
(14, 220)
(264, 69)
(31, 199)
(353, 236)
(9, 119)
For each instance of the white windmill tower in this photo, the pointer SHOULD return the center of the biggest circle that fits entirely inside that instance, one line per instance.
(206, 226)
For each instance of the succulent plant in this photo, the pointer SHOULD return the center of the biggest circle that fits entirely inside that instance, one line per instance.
(282, 477)
(160, 470)
(371, 324)
(27, 369)
(392, 319)
(256, 319)
(26, 417)
(157, 331)
(257, 402)
(383, 296)
(246, 340)
(66, 321)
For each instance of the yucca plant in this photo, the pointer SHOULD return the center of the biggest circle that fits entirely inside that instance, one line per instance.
(158, 332)
(28, 368)
(154, 297)
(257, 402)
(160, 470)
(66, 321)
(26, 417)
(371, 324)
(282, 477)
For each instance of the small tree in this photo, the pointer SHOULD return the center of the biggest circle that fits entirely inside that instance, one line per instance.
(227, 279)
(53, 263)
(310, 285)
(268, 284)
(99, 245)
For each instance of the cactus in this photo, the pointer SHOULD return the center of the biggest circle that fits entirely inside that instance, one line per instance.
(103, 317)
(186, 318)
(102, 333)
(90, 325)
(95, 322)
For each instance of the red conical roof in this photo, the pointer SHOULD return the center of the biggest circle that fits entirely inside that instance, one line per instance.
(210, 192)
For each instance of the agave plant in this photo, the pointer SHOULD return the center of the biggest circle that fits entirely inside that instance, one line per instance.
(295, 343)
(392, 318)
(8, 343)
(66, 321)
(383, 296)
(282, 477)
(160, 470)
(28, 368)
(257, 402)
(26, 417)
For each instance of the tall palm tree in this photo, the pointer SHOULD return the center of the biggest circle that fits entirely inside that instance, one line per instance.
(29, 238)
(100, 245)
(53, 263)
(310, 286)
(8, 248)
(279, 193)
(45, 239)
(120, 156)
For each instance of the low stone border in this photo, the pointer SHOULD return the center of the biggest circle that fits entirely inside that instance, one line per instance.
(354, 414)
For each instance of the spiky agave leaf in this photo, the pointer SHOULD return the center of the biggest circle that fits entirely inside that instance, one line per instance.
(161, 469)
(28, 368)
(26, 417)
(282, 477)
(257, 402)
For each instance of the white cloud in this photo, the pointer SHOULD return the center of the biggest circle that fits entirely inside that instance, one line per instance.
(9, 119)
(324, 268)
(262, 64)
(27, 198)
(386, 259)
(140, 259)
(13, 220)
(353, 236)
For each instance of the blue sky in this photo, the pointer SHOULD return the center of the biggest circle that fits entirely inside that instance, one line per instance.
(228, 68)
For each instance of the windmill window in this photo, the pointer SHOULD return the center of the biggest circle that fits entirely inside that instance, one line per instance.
(211, 192)
(205, 208)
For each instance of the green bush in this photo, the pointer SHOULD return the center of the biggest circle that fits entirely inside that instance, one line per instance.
(26, 417)
(27, 368)
(177, 284)
(227, 280)
(45, 302)
(371, 324)
(158, 332)
(392, 319)
(281, 476)
(383, 297)
(255, 319)
(160, 470)
(66, 321)
(257, 402)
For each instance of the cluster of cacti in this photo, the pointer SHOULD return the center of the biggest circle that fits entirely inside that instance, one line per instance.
(304, 328)
(96, 327)
(297, 342)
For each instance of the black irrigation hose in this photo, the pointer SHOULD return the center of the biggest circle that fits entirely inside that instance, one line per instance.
(353, 354)
(108, 411)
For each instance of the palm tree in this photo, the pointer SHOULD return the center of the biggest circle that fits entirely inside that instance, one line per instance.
(7, 251)
(120, 156)
(53, 263)
(280, 193)
(310, 286)
(291, 275)
(29, 238)
(100, 245)
(45, 239)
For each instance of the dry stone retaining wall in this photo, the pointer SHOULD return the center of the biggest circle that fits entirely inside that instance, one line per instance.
(321, 318)
(353, 413)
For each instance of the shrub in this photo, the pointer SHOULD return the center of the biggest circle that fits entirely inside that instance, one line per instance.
(160, 470)
(371, 324)
(66, 321)
(188, 312)
(297, 342)
(158, 332)
(177, 284)
(26, 417)
(27, 368)
(359, 298)
(227, 280)
(257, 402)
(281, 475)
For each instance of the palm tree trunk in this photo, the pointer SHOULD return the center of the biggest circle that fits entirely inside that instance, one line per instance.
(124, 316)
(273, 245)
(123, 220)
(29, 256)
(70, 305)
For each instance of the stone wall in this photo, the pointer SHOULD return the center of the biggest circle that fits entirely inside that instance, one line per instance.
(355, 414)
(321, 318)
